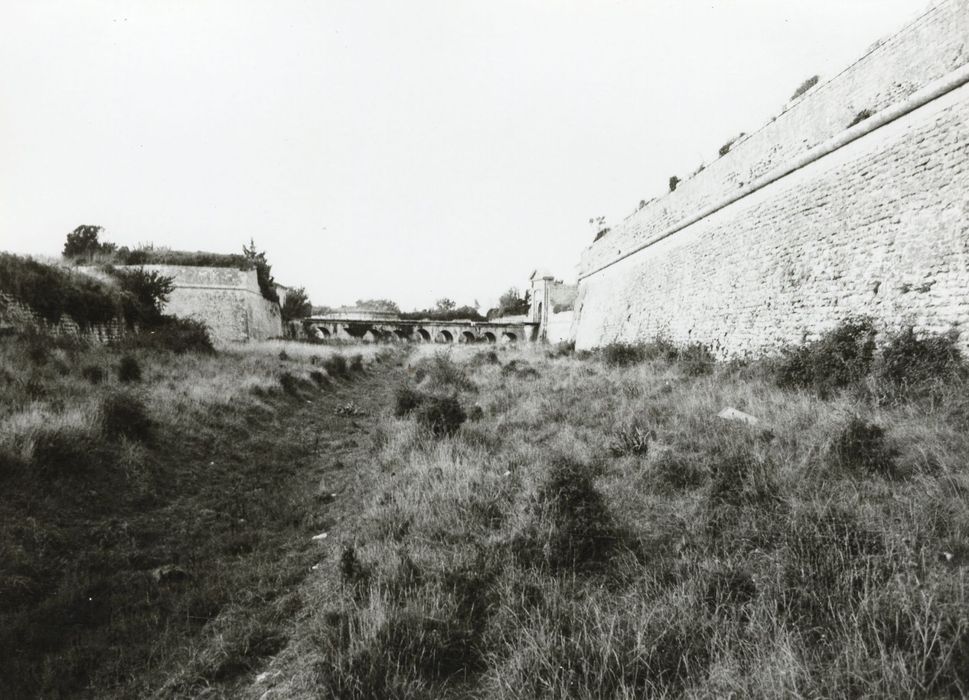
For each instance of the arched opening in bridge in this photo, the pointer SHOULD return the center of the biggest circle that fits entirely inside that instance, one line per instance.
(467, 337)
(489, 337)
(320, 332)
(400, 335)
(508, 337)
(423, 336)
(444, 337)
(369, 336)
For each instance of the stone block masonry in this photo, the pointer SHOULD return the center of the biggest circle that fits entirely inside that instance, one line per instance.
(226, 300)
(872, 221)
(18, 317)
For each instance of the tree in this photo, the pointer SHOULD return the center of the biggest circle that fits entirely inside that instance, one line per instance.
(267, 285)
(149, 291)
(444, 305)
(83, 242)
(378, 305)
(512, 303)
(296, 305)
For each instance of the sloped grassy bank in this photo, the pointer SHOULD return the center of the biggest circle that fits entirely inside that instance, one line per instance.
(548, 525)
(157, 508)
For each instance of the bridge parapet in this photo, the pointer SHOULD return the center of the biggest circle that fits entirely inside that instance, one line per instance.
(419, 331)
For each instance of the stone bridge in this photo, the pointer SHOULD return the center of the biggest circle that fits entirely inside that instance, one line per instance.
(422, 331)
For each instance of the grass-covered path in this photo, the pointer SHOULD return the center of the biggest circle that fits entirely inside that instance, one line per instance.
(169, 564)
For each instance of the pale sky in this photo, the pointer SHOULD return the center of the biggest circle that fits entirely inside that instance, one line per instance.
(409, 150)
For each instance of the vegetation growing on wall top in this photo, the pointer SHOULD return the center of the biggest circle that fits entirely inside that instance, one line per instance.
(805, 86)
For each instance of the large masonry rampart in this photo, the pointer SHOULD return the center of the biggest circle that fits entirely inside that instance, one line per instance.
(926, 50)
(809, 221)
(225, 299)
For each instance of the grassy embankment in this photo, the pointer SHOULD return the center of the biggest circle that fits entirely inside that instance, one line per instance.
(595, 530)
(157, 508)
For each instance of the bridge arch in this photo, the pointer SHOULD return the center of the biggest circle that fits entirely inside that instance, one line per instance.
(508, 337)
(444, 337)
(467, 337)
(321, 332)
(400, 335)
(423, 336)
(489, 337)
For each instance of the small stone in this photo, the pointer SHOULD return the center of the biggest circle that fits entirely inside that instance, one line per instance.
(321, 536)
(733, 414)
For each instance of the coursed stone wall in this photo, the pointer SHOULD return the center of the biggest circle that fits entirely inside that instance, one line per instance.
(226, 300)
(18, 317)
(874, 225)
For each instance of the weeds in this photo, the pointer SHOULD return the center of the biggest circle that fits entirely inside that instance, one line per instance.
(631, 439)
(441, 415)
(129, 370)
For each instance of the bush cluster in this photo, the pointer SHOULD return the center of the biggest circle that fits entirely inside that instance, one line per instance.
(841, 357)
(905, 367)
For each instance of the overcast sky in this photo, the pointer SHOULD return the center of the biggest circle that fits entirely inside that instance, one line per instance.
(409, 150)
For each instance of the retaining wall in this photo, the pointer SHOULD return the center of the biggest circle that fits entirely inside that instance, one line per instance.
(807, 222)
(227, 300)
(15, 316)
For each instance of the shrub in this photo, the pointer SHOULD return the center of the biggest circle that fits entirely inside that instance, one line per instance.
(318, 377)
(94, 374)
(696, 359)
(145, 294)
(129, 370)
(336, 366)
(674, 181)
(292, 384)
(805, 86)
(407, 400)
(860, 117)
(442, 416)
(356, 363)
(862, 446)
(909, 363)
(570, 526)
(177, 335)
(631, 439)
(623, 354)
(840, 358)
(442, 372)
(124, 415)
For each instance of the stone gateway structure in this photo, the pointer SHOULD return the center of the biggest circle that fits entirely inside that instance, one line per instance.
(853, 201)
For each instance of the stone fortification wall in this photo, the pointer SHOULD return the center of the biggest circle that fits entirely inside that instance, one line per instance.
(18, 317)
(558, 327)
(227, 300)
(806, 221)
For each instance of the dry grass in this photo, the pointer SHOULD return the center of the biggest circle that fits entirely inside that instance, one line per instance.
(149, 529)
(526, 556)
